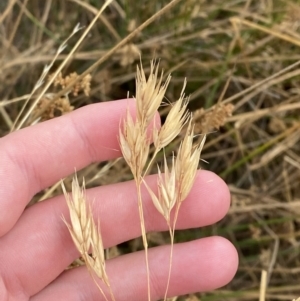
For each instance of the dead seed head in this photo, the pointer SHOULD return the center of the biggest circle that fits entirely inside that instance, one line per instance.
(134, 144)
(187, 161)
(80, 222)
(84, 232)
(167, 190)
(175, 184)
(49, 107)
(214, 119)
(174, 123)
(149, 93)
(96, 262)
(83, 85)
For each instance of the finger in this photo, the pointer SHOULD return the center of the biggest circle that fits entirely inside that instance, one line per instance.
(36, 157)
(46, 245)
(201, 265)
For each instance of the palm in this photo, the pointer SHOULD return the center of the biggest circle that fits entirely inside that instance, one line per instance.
(35, 245)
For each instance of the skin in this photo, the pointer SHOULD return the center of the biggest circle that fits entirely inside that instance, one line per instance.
(35, 246)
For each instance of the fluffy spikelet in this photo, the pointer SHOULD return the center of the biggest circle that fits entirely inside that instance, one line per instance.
(167, 190)
(175, 184)
(175, 120)
(97, 261)
(149, 93)
(134, 145)
(187, 161)
(80, 222)
(84, 232)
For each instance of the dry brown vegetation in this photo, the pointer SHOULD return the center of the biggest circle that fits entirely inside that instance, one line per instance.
(241, 60)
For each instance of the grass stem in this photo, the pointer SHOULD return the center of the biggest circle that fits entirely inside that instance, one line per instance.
(170, 261)
(144, 236)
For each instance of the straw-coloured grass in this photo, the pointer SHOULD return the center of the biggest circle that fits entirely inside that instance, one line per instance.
(175, 184)
(85, 234)
(250, 47)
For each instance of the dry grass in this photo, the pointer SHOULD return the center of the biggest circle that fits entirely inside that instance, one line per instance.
(173, 185)
(256, 149)
(85, 234)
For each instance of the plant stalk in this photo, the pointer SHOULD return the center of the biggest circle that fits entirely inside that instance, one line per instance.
(171, 260)
(143, 230)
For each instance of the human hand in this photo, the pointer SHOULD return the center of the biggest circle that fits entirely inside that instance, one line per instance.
(36, 247)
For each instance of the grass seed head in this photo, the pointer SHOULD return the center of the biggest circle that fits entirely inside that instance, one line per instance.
(174, 123)
(187, 161)
(80, 223)
(149, 93)
(49, 107)
(134, 144)
(81, 85)
(96, 262)
(214, 119)
(84, 232)
(167, 192)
